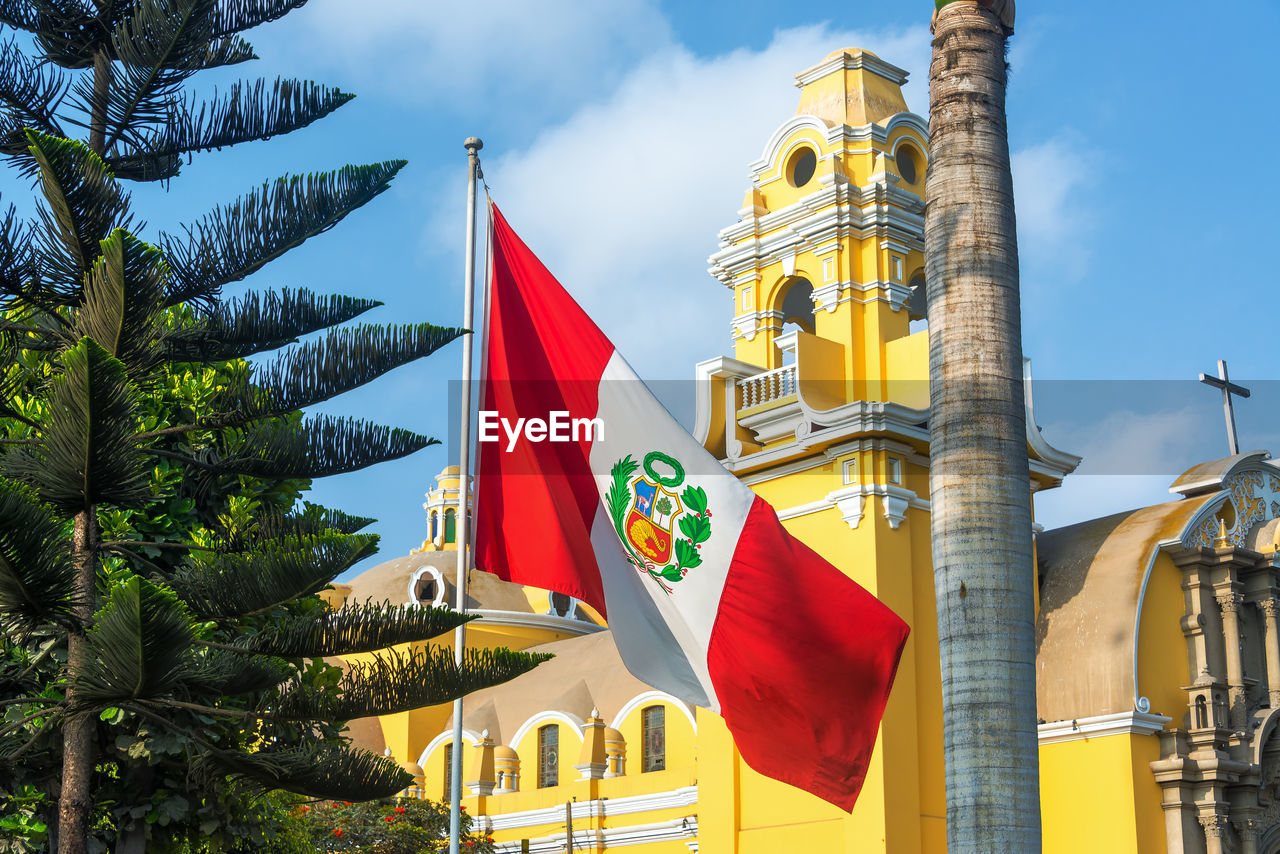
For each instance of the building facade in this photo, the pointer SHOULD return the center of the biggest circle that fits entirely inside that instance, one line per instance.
(1158, 655)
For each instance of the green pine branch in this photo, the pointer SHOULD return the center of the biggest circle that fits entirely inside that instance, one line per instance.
(319, 446)
(85, 453)
(236, 16)
(236, 240)
(35, 569)
(257, 322)
(335, 363)
(139, 646)
(30, 94)
(317, 770)
(250, 111)
(353, 629)
(394, 682)
(232, 585)
(83, 205)
(123, 295)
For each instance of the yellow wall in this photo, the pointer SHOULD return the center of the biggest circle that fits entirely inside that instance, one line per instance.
(1098, 794)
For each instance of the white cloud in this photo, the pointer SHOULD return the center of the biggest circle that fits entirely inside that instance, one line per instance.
(623, 200)
(500, 50)
(1050, 180)
(1130, 459)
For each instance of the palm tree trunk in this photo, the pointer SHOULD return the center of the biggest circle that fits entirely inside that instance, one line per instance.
(79, 730)
(979, 481)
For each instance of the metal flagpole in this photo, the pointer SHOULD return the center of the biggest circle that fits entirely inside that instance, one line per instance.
(473, 146)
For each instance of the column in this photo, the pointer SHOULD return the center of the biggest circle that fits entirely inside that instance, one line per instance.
(1270, 608)
(1230, 604)
(1215, 827)
(1248, 830)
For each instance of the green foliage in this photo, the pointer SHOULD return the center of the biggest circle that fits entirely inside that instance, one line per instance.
(137, 646)
(402, 826)
(35, 568)
(158, 574)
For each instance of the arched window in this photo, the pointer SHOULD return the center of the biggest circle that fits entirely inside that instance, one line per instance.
(1202, 713)
(450, 525)
(448, 771)
(548, 756)
(917, 305)
(796, 304)
(654, 738)
(435, 525)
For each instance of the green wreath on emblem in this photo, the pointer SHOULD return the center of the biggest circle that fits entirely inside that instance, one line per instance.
(695, 525)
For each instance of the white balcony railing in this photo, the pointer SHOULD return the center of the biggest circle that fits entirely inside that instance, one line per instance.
(767, 387)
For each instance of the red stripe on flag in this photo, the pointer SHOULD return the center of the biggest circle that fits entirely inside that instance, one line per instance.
(536, 503)
(802, 659)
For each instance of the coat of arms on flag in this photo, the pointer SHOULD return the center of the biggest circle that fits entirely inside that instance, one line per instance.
(647, 529)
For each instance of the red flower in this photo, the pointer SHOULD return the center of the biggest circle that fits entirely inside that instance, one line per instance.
(306, 809)
(337, 831)
(346, 803)
(389, 818)
(400, 810)
(464, 809)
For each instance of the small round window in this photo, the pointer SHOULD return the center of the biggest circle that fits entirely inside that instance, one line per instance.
(908, 166)
(801, 166)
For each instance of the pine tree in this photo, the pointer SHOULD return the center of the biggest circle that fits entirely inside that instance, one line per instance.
(152, 563)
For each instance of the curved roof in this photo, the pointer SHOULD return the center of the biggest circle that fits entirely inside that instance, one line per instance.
(587, 672)
(1091, 581)
(390, 580)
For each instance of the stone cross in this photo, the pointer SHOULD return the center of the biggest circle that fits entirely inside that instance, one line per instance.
(1221, 381)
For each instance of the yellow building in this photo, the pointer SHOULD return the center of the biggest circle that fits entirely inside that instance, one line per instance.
(1158, 655)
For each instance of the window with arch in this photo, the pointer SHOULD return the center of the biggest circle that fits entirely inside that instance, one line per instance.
(435, 525)
(448, 771)
(796, 303)
(653, 722)
(450, 525)
(548, 756)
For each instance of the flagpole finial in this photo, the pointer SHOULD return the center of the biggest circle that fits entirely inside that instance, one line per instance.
(473, 144)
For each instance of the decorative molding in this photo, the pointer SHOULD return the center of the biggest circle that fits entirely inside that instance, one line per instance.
(650, 697)
(574, 722)
(1140, 703)
(851, 500)
(1121, 723)
(527, 620)
(672, 799)
(436, 576)
(467, 735)
(804, 510)
(846, 61)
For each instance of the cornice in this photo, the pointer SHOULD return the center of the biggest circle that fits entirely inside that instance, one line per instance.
(1099, 726)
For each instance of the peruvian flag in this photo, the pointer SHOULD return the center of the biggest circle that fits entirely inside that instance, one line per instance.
(587, 486)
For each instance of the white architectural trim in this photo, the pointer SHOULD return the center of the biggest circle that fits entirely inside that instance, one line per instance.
(435, 576)
(1140, 703)
(447, 735)
(649, 697)
(851, 61)
(527, 620)
(803, 510)
(1120, 723)
(592, 839)
(582, 810)
(773, 147)
(575, 723)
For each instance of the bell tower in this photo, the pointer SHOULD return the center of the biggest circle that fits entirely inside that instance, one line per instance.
(823, 410)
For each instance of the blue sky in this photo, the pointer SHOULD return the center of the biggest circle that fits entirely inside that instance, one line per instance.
(617, 137)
